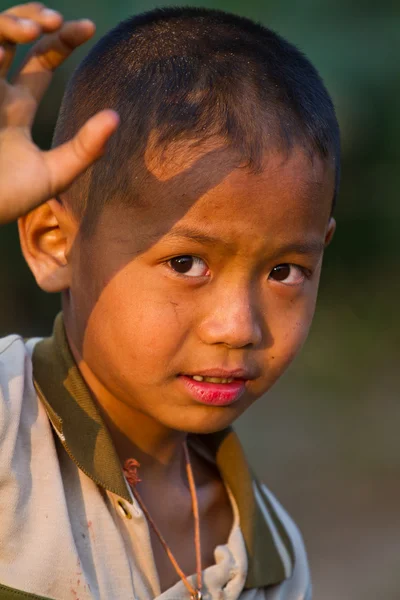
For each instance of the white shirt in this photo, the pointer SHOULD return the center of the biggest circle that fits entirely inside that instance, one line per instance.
(64, 534)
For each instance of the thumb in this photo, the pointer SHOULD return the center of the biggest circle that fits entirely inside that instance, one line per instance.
(66, 162)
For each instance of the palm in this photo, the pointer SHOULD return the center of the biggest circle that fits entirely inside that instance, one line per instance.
(25, 179)
(29, 176)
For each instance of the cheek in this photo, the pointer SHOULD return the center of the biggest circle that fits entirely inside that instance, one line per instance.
(290, 339)
(287, 335)
(142, 324)
(289, 325)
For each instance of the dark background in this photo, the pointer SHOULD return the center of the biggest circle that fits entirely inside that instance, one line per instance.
(325, 439)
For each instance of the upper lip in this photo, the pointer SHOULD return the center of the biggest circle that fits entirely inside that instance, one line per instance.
(224, 373)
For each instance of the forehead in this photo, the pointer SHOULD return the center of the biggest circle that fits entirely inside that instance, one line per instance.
(208, 191)
(291, 188)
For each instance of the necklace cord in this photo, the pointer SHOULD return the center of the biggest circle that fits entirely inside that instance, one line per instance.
(194, 593)
(196, 517)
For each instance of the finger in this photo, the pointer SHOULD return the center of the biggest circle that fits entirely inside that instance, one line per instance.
(47, 18)
(49, 53)
(17, 31)
(24, 24)
(29, 9)
(14, 30)
(8, 53)
(68, 161)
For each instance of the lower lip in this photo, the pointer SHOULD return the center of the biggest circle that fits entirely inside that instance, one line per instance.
(214, 394)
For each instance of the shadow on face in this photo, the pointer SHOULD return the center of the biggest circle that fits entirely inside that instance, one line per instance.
(172, 181)
(139, 323)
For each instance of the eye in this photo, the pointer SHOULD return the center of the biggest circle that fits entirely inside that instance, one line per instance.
(191, 266)
(288, 274)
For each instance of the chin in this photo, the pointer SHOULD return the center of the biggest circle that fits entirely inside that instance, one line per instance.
(209, 419)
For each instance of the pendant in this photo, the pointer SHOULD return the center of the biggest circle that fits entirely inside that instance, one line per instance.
(196, 596)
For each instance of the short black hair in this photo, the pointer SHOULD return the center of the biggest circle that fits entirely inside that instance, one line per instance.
(194, 73)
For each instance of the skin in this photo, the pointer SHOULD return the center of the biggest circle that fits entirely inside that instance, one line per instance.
(134, 324)
(45, 173)
(229, 311)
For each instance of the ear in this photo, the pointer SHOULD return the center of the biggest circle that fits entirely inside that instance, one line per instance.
(46, 235)
(330, 231)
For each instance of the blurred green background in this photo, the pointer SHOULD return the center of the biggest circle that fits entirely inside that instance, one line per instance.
(325, 439)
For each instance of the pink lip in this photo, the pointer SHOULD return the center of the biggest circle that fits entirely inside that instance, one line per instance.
(224, 373)
(214, 394)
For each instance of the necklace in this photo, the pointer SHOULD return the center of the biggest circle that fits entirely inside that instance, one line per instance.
(130, 470)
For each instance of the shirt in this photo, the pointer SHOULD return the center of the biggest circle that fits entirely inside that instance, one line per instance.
(70, 527)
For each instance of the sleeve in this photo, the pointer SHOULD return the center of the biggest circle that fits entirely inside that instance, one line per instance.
(298, 586)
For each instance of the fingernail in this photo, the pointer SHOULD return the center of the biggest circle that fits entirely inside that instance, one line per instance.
(50, 13)
(89, 21)
(26, 23)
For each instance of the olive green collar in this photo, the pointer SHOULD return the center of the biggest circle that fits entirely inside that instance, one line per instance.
(76, 419)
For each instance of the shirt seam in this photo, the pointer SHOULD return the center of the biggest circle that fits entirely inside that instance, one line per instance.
(15, 591)
(63, 441)
(17, 339)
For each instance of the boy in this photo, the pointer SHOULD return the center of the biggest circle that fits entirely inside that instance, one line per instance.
(188, 257)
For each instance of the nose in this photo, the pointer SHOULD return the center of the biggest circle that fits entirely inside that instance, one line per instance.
(233, 317)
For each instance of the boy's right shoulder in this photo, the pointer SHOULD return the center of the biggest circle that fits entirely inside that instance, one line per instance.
(8, 341)
(13, 356)
(17, 391)
(15, 359)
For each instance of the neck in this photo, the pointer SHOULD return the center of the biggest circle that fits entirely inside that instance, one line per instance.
(158, 449)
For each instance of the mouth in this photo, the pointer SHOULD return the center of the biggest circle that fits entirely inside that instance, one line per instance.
(201, 378)
(215, 389)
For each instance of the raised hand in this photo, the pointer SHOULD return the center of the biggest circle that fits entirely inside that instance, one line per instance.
(29, 176)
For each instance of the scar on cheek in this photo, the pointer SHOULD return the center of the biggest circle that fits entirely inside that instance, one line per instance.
(175, 306)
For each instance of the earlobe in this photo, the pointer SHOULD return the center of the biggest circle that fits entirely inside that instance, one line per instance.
(46, 235)
(330, 231)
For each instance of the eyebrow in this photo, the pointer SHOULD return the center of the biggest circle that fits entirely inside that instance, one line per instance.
(197, 236)
(315, 247)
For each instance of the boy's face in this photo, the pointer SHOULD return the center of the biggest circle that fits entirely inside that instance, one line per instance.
(214, 273)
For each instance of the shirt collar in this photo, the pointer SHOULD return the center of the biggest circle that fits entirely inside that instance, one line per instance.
(76, 419)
